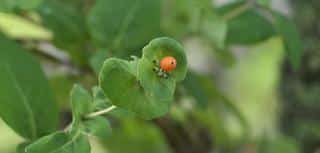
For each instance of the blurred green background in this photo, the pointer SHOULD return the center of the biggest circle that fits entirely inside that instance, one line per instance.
(250, 88)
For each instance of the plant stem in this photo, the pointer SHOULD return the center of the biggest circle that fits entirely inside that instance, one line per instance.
(238, 11)
(107, 110)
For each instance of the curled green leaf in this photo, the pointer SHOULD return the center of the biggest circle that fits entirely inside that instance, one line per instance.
(162, 47)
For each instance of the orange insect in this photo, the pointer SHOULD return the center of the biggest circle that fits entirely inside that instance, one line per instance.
(168, 63)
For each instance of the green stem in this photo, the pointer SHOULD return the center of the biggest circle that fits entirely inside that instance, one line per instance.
(98, 113)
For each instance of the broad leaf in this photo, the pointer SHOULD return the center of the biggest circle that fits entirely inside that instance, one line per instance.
(26, 101)
(61, 142)
(291, 37)
(249, 27)
(98, 127)
(124, 24)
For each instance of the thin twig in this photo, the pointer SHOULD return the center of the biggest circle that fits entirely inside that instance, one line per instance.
(94, 114)
(50, 51)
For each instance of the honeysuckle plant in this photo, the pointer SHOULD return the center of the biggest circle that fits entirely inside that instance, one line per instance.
(132, 85)
(94, 35)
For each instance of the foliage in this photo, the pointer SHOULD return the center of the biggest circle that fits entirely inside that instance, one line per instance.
(121, 42)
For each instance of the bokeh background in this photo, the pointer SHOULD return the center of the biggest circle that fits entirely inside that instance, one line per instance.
(242, 94)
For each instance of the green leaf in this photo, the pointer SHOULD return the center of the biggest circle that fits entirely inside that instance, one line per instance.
(9, 5)
(215, 29)
(66, 23)
(81, 102)
(120, 84)
(136, 87)
(26, 101)
(124, 24)
(68, 26)
(19, 28)
(61, 142)
(288, 30)
(98, 127)
(249, 27)
(159, 48)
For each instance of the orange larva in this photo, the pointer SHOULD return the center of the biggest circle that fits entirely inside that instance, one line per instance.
(168, 63)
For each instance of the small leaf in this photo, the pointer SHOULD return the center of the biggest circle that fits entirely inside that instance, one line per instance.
(288, 30)
(81, 102)
(249, 27)
(61, 142)
(27, 104)
(98, 127)
(124, 24)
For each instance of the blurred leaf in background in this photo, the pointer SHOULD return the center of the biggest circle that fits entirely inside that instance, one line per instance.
(24, 89)
(124, 25)
(247, 26)
(69, 29)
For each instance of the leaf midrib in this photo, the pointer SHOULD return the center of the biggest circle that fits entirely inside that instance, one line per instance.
(25, 100)
(73, 139)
